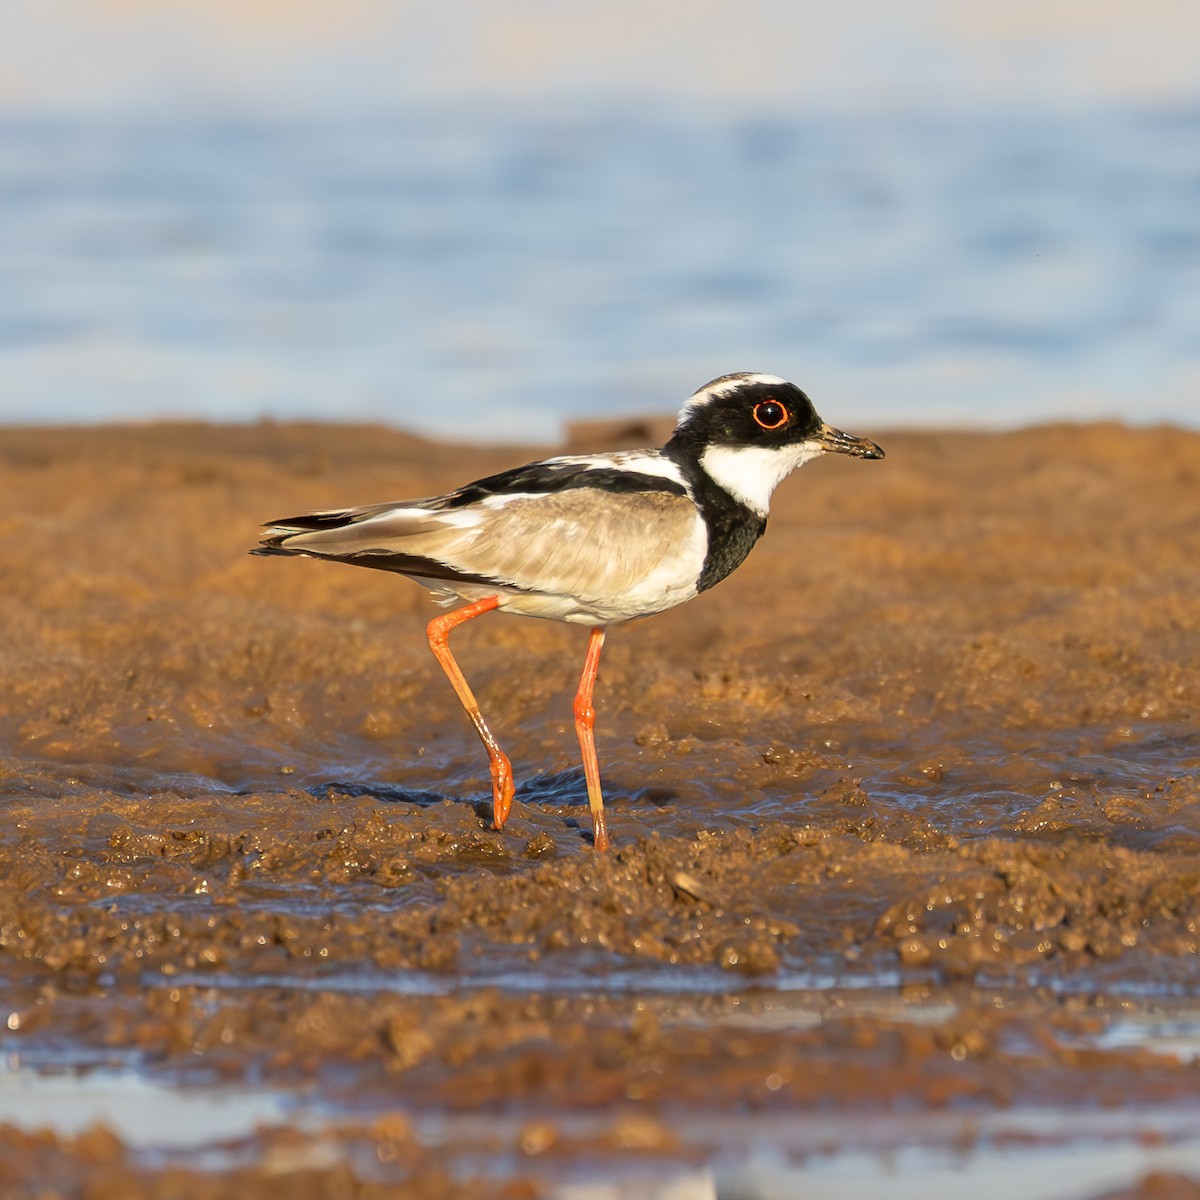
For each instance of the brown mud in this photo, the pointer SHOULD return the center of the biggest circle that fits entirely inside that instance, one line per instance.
(906, 825)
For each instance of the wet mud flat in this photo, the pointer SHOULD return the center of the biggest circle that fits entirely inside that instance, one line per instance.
(906, 815)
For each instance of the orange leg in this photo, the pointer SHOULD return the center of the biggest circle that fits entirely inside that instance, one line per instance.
(585, 726)
(438, 632)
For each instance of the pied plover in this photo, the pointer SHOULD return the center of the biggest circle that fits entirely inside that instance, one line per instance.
(593, 539)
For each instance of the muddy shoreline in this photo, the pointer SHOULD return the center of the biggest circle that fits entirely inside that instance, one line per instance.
(906, 823)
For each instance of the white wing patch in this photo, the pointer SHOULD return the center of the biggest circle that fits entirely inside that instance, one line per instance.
(636, 462)
(466, 517)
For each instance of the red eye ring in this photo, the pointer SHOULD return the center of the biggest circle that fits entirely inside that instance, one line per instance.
(770, 414)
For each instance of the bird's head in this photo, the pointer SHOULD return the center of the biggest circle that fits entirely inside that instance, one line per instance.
(747, 432)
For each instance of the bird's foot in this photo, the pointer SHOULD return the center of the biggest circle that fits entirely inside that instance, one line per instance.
(599, 831)
(503, 789)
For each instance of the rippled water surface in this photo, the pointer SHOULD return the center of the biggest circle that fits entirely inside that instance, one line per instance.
(493, 276)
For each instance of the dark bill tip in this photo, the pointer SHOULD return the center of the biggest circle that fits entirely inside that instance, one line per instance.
(837, 442)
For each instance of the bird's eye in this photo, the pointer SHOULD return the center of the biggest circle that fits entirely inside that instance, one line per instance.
(770, 414)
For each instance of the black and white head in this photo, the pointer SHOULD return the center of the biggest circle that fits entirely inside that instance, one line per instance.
(748, 432)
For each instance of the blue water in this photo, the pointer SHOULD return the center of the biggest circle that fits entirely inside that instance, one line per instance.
(494, 275)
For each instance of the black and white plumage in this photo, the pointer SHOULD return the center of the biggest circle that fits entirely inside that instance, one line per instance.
(592, 539)
(599, 538)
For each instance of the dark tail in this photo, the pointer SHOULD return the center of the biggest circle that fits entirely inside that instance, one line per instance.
(285, 527)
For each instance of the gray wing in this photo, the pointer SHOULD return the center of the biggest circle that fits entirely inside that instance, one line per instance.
(583, 542)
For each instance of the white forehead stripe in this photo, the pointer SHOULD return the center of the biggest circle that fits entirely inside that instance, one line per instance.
(724, 386)
(751, 473)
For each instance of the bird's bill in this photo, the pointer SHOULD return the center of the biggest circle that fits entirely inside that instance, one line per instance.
(837, 442)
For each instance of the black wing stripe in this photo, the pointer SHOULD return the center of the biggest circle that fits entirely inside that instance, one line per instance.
(309, 522)
(542, 479)
(336, 519)
(405, 564)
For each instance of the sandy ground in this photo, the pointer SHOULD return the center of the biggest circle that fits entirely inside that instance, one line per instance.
(906, 823)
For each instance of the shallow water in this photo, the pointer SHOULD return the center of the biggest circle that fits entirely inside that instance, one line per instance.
(494, 275)
(1047, 1153)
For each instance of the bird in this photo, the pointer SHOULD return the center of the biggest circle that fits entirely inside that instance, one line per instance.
(591, 539)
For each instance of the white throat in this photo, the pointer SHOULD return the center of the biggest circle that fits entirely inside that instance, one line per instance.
(751, 473)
